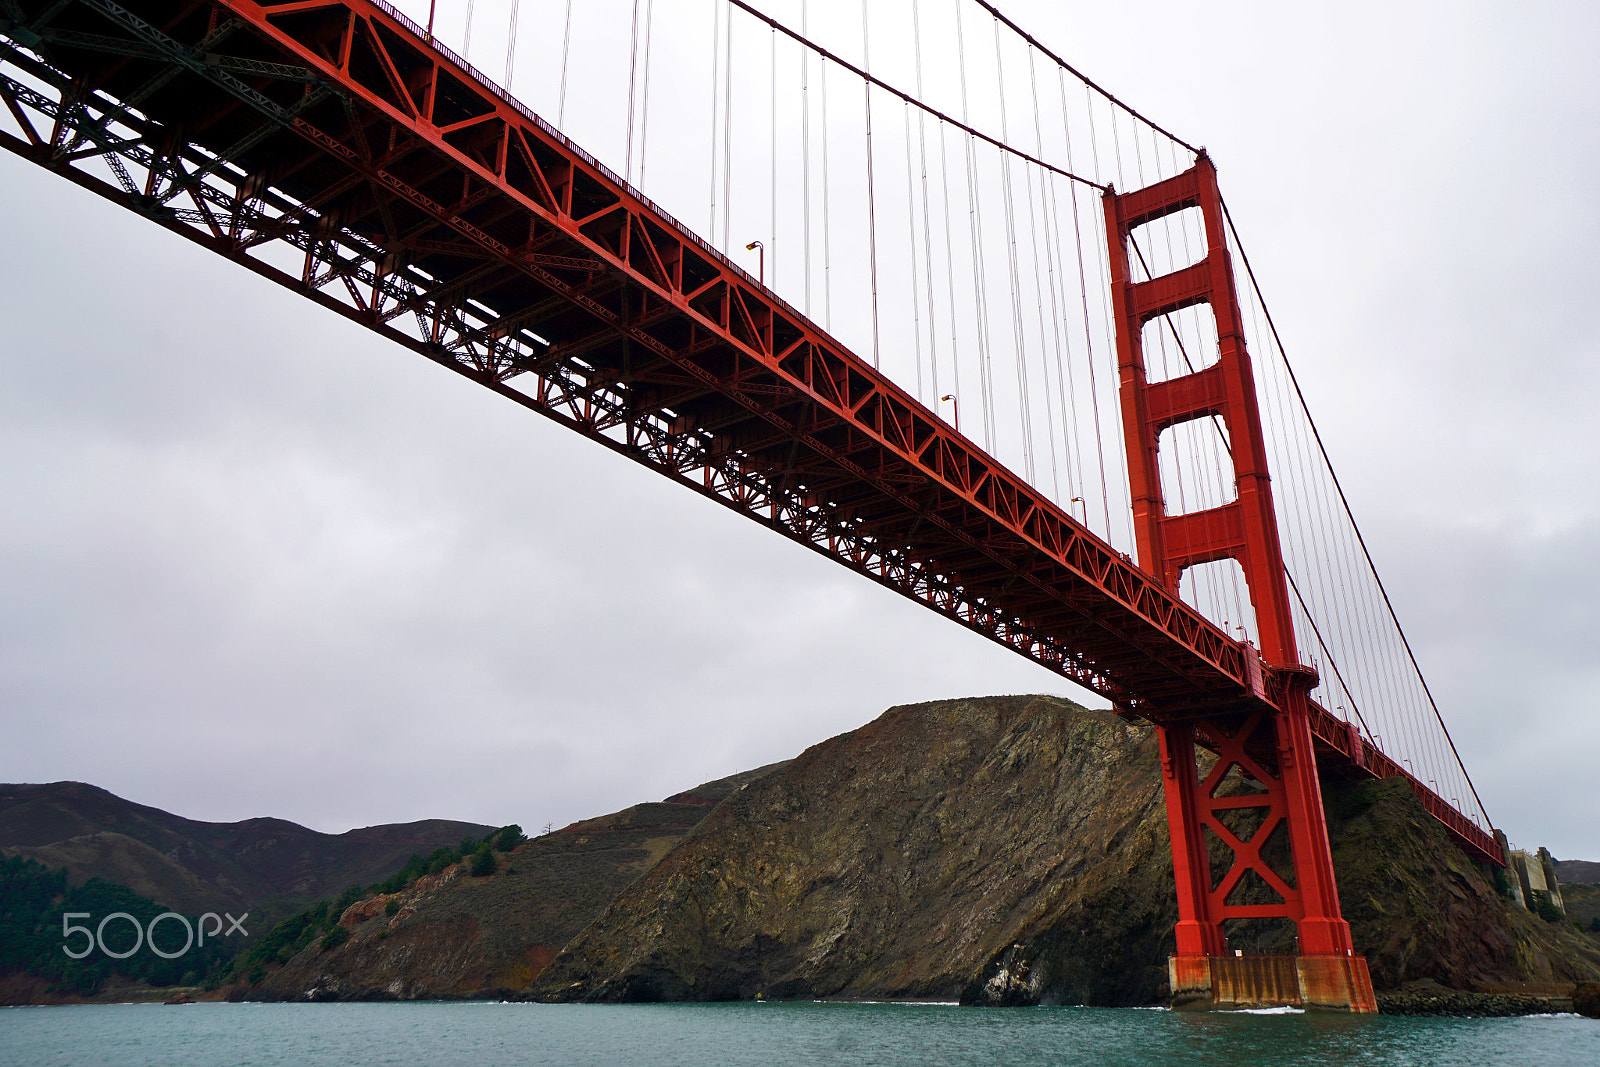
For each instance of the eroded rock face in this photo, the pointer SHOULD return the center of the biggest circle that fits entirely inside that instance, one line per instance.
(1010, 850)
(895, 860)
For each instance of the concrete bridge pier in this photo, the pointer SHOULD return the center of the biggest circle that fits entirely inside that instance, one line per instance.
(1231, 983)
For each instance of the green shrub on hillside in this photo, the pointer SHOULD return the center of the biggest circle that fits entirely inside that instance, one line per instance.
(33, 900)
(291, 936)
(508, 837)
(1544, 908)
(286, 940)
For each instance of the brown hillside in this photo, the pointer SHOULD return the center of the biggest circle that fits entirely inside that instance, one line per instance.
(453, 935)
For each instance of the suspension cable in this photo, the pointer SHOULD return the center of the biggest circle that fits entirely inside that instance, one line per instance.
(828, 56)
(1076, 73)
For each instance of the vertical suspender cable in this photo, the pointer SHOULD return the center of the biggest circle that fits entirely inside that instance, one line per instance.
(805, 153)
(644, 116)
(466, 37)
(1009, 213)
(911, 236)
(927, 239)
(633, 71)
(872, 208)
(511, 44)
(727, 131)
(975, 232)
(1071, 391)
(950, 267)
(716, 103)
(772, 204)
(827, 228)
(1105, 286)
(566, 48)
(1039, 285)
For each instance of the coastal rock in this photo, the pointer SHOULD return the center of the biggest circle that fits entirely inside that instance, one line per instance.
(1469, 1005)
(899, 859)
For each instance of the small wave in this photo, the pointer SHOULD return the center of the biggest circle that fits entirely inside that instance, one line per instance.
(1282, 1009)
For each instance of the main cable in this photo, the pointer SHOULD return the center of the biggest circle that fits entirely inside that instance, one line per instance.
(1076, 73)
(828, 56)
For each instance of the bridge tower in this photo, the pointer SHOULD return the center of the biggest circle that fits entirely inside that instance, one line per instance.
(1252, 845)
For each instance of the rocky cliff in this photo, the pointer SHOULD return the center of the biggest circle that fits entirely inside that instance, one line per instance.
(896, 860)
(1010, 850)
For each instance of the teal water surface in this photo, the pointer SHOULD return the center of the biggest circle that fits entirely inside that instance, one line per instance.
(768, 1035)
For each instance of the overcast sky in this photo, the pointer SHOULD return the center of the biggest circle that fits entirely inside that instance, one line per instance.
(257, 562)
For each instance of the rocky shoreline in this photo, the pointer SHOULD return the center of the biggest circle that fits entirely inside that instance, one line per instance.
(1471, 1005)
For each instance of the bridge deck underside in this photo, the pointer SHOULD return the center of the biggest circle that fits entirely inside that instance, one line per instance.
(327, 146)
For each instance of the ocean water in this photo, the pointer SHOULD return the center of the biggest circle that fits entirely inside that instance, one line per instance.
(768, 1035)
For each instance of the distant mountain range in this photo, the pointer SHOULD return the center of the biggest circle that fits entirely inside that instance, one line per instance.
(1585, 872)
(269, 867)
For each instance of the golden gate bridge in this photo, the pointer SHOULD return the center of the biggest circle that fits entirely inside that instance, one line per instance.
(946, 219)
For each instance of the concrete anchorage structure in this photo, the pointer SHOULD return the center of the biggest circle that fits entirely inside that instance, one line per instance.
(1529, 873)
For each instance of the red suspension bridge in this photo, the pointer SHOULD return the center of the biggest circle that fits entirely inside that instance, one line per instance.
(967, 214)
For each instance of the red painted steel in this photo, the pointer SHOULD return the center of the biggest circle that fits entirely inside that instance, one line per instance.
(330, 147)
(1270, 747)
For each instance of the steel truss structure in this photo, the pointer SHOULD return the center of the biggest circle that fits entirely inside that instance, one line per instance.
(331, 147)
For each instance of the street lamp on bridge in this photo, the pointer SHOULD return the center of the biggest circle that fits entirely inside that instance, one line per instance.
(955, 408)
(761, 268)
